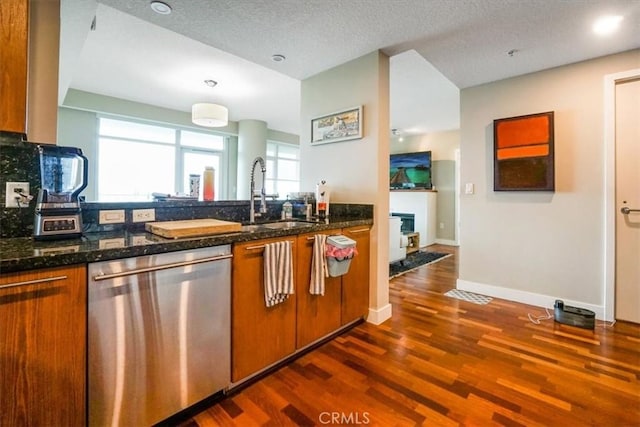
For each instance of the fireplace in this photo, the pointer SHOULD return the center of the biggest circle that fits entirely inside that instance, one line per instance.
(408, 221)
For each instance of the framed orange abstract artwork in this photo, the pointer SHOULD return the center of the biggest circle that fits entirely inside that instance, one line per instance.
(523, 153)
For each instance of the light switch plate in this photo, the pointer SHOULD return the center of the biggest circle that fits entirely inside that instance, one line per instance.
(115, 216)
(469, 188)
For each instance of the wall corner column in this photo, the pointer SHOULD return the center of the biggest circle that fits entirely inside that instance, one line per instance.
(252, 142)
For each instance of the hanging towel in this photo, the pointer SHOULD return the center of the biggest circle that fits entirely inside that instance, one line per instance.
(319, 268)
(278, 272)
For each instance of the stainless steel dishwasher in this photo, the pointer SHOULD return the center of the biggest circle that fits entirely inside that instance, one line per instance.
(159, 334)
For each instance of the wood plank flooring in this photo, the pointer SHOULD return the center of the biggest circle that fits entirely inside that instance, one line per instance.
(440, 361)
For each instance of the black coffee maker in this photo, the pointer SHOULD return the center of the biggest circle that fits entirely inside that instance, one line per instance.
(63, 173)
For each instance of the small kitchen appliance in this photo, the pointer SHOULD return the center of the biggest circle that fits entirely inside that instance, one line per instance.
(63, 174)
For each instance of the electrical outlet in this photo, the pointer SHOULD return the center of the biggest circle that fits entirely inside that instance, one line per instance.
(144, 215)
(111, 217)
(14, 189)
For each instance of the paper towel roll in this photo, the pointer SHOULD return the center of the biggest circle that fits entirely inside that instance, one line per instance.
(404, 241)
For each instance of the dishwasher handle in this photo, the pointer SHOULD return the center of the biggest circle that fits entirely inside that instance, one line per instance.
(33, 282)
(103, 276)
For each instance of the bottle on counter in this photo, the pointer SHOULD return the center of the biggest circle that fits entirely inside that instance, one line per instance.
(308, 211)
(322, 208)
(208, 184)
(287, 209)
(322, 200)
(194, 185)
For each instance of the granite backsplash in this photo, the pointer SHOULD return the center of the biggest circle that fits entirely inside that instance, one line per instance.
(228, 210)
(18, 163)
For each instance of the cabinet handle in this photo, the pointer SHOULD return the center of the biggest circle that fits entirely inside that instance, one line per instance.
(33, 282)
(359, 230)
(250, 248)
(160, 267)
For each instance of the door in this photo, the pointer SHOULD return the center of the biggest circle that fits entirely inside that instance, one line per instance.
(42, 347)
(627, 281)
(317, 315)
(159, 334)
(260, 335)
(355, 284)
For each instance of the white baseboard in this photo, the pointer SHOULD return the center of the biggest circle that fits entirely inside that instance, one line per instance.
(539, 300)
(377, 316)
(447, 242)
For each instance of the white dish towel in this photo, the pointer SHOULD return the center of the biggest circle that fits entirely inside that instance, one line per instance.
(319, 268)
(278, 272)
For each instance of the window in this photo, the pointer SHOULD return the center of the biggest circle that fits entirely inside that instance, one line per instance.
(283, 169)
(136, 159)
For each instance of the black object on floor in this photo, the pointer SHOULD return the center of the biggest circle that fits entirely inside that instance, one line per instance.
(413, 261)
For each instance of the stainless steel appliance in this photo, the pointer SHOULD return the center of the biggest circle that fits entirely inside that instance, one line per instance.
(63, 174)
(159, 334)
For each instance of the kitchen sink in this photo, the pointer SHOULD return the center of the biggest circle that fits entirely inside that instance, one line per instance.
(286, 224)
(253, 227)
(278, 225)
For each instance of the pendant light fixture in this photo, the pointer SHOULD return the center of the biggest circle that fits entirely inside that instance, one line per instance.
(208, 114)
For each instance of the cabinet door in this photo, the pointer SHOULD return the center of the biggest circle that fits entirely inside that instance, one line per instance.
(260, 335)
(43, 347)
(355, 284)
(318, 315)
(13, 65)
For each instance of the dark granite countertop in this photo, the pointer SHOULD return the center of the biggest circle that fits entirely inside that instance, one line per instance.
(23, 253)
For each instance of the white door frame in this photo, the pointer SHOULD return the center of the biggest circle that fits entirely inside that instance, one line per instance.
(457, 196)
(610, 209)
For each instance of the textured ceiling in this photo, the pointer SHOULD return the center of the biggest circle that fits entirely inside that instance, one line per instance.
(441, 45)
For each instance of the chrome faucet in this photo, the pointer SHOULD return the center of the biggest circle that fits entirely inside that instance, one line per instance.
(263, 193)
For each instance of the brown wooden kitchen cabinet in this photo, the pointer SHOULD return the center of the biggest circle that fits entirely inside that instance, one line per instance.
(355, 284)
(13, 65)
(43, 347)
(260, 335)
(318, 315)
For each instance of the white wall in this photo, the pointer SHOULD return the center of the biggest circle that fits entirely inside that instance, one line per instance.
(357, 171)
(252, 143)
(537, 246)
(441, 144)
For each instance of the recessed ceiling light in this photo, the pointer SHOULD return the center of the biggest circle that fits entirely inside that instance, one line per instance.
(211, 83)
(278, 58)
(160, 7)
(607, 24)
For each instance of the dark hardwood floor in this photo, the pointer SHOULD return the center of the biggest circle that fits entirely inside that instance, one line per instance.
(442, 361)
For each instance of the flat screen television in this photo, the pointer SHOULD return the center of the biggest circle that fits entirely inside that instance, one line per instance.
(410, 171)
